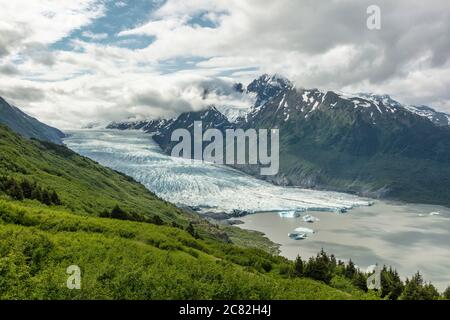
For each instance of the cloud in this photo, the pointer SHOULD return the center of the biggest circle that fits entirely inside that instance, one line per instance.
(42, 22)
(316, 43)
(94, 36)
(198, 44)
(8, 69)
(305, 30)
(120, 4)
(23, 94)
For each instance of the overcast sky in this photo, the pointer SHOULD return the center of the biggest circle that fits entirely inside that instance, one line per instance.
(73, 62)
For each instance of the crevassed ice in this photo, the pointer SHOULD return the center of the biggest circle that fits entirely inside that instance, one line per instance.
(195, 183)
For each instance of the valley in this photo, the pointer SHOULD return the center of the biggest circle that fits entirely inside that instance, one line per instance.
(394, 234)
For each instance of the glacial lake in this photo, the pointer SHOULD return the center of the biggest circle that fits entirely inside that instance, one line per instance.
(404, 236)
(409, 237)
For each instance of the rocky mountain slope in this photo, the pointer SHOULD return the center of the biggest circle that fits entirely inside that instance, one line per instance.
(363, 143)
(27, 126)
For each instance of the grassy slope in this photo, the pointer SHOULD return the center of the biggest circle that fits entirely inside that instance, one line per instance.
(83, 185)
(123, 259)
(132, 260)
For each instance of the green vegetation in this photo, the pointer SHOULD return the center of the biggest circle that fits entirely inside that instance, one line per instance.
(25, 189)
(348, 278)
(446, 294)
(134, 260)
(250, 238)
(416, 289)
(82, 185)
(130, 244)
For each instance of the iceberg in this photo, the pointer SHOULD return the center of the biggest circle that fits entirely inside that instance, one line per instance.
(289, 214)
(298, 236)
(310, 219)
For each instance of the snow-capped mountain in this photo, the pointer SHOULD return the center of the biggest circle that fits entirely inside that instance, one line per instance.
(363, 143)
(266, 87)
(438, 118)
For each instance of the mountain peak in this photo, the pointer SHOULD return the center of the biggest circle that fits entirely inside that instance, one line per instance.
(274, 80)
(268, 86)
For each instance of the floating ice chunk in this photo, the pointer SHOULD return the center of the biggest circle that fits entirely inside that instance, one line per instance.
(289, 214)
(304, 230)
(298, 236)
(310, 219)
(431, 214)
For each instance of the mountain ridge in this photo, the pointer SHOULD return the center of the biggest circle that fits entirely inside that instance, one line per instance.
(26, 125)
(366, 144)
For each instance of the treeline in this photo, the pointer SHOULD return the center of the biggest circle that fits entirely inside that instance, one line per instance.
(326, 268)
(118, 213)
(26, 189)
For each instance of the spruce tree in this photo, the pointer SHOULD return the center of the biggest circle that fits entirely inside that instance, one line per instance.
(350, 270)
(298, 267)
(319, 268)
(27, 188)
(415, 289)
(15, 191)
(156, 220)
(190, 229)
(118, 213)
(46, 198)
(360, 281)
(397, 287)
(55, 198)
(446, 294)
(36, 194)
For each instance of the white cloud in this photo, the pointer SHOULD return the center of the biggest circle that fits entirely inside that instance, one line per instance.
(44, 22)
(321, 44)
(120, 4)
(94, 36)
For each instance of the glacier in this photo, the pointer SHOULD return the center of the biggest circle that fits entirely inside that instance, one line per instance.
(207, 186)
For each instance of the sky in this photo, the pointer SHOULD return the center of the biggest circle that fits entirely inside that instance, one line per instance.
(70, 63)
